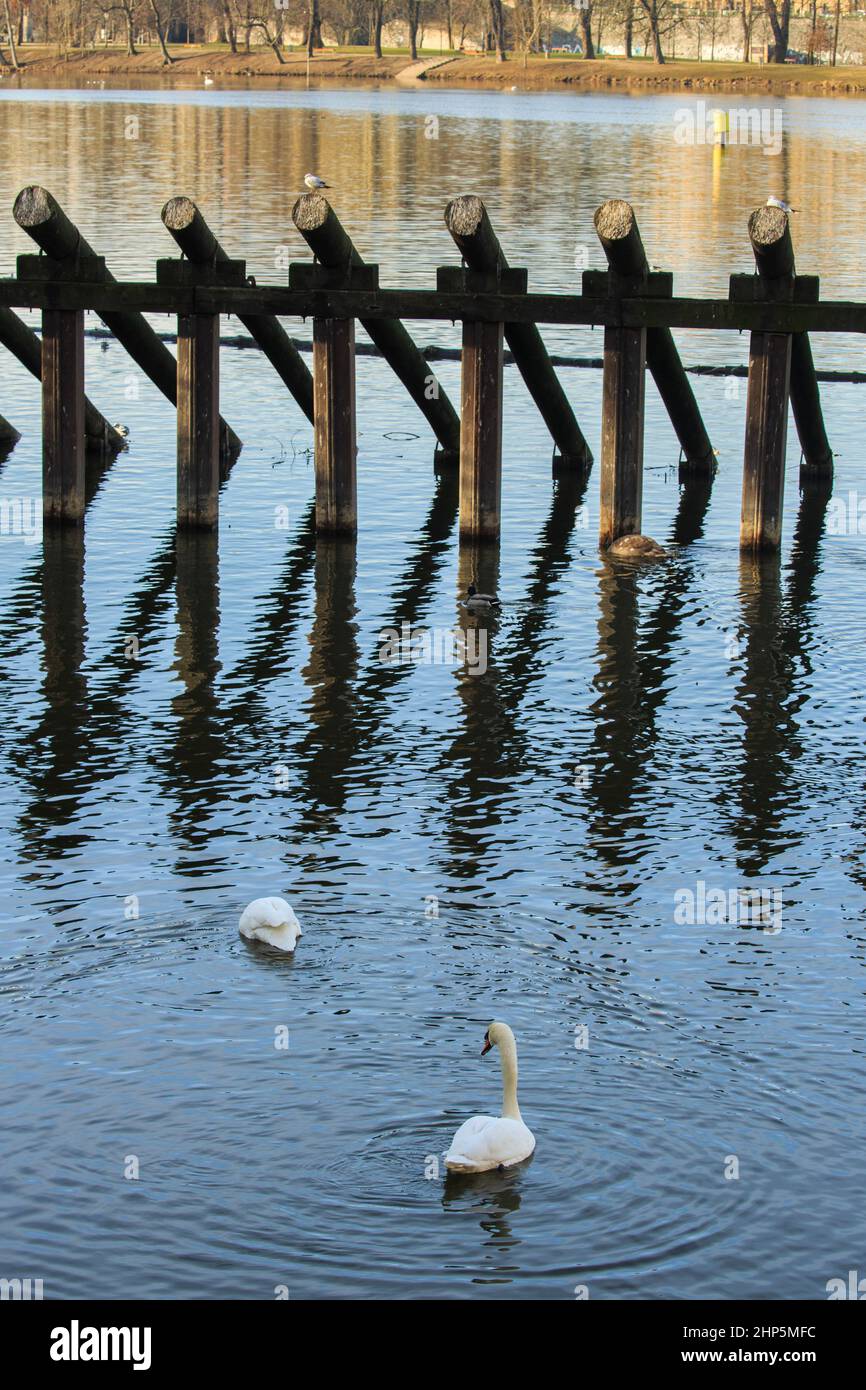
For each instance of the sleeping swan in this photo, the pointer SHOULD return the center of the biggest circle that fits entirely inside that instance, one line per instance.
(271, 920)
(484, 1142)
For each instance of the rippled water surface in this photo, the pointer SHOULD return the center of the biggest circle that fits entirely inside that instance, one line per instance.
(189, 723)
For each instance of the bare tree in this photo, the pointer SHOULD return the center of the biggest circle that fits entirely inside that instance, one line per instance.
(497, 29)
(413, 21)
(160, 32)
(651, 9)
(747, 21)
(836, 33)
(272, 40)
(127, 9)
(585, 17)
(377, 19)
(779, 14)
(13, 52)
(314, 28)
(230, 26)
(628, 28)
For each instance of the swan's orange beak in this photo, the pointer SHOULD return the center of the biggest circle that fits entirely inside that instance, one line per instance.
(487, 1046)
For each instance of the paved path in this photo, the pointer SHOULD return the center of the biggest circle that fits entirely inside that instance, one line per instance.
(415, 71)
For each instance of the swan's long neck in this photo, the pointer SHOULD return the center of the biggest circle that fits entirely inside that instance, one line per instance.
(508, 1058)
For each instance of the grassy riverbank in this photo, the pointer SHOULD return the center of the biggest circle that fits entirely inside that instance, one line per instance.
(193, 63)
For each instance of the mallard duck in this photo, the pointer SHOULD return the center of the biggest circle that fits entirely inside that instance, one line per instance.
(488, 1141)
(480, 602)
(636, 548)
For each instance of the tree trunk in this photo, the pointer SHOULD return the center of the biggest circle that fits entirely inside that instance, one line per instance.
(13, 53)
(314, 28)
(413, 16)
(497, 25)
(629, 30)
(586, 31)
(160, 33)
(780, 23)
(131, 50)
(836, 33)
(272, 40)
(658, 55)
(449, 23)
(377, 29)
(229, 27)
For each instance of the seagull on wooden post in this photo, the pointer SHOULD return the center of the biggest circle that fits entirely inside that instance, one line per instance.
(314, 183)
(780, 203)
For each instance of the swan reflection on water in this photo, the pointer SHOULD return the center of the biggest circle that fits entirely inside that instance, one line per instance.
(495, 1197)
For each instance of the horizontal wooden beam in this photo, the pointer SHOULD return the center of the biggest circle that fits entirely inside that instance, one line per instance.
(839, 316)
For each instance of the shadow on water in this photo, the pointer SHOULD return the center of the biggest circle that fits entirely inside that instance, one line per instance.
(494, 1198)
(199, 741)
(631, 681)
(22, 615)
(770, 652)
(489, 749)
(58, 746)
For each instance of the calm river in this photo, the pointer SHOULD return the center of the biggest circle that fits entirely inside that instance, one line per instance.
(189, 726)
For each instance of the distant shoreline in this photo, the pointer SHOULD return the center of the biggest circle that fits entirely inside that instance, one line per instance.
(340, 67)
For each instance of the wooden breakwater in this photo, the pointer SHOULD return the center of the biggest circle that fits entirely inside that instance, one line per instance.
(633, 304)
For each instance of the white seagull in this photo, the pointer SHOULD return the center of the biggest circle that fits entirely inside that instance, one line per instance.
(779, 203)
(314, 183)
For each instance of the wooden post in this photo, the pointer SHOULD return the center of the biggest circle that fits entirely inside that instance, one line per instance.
(63, 415)
(467, 221)
(198, 420)
(40, 215)
(768, 388)
(24, 344)
(481, 430)
(332, 246)
(618, 232)
(9, 436)
(623, 381)
(183, 220)
(766, 441)
(770, 235)
(334, 408)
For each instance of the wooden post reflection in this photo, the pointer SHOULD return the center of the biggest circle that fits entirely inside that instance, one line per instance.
(331, 673)
(63, 617)
(197, 645)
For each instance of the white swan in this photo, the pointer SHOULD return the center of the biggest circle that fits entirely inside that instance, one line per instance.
(485, 1142)
(271, 920)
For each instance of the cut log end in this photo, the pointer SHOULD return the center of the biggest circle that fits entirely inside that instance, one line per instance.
(179, 213)
(311, 211)
(34, 206)
(614, 220)
(464, 215)
(767, 226)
